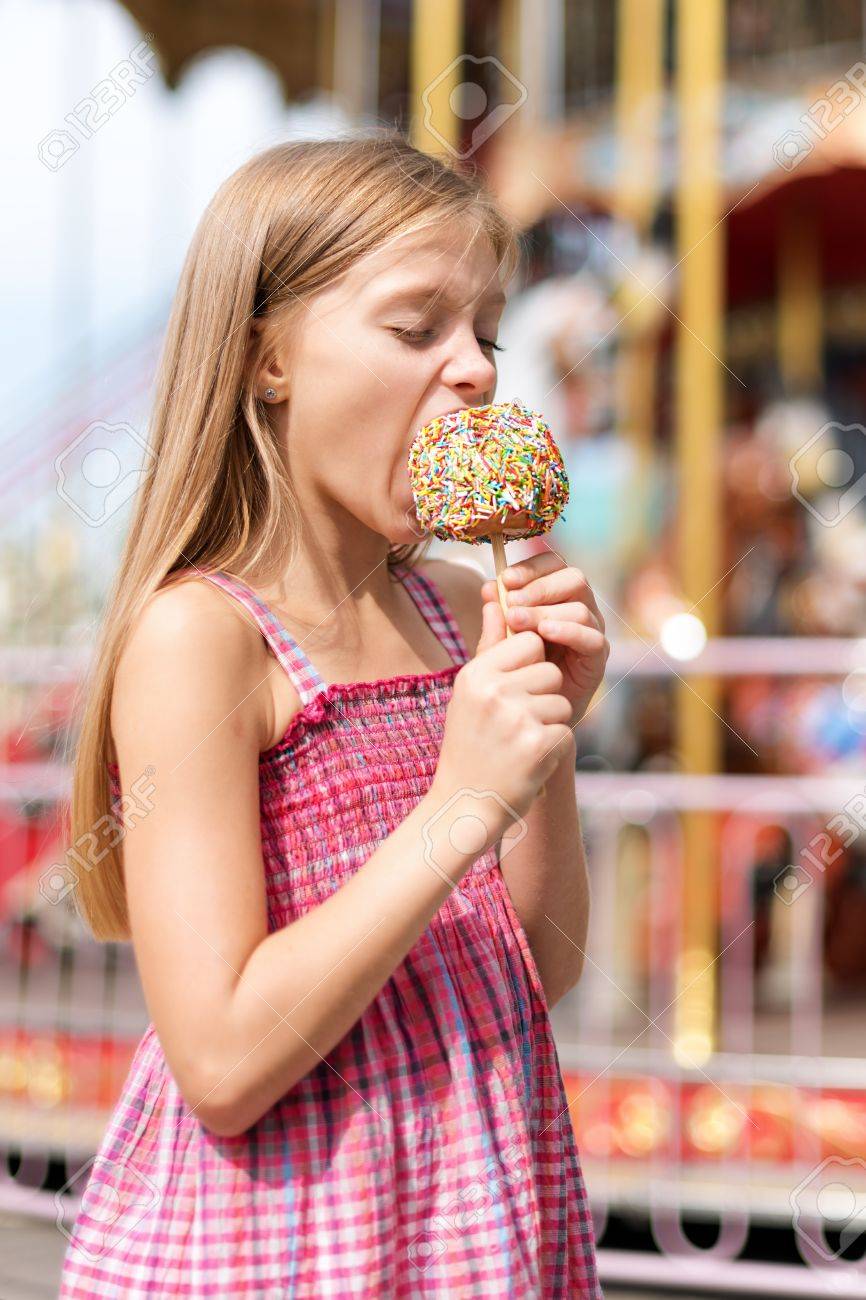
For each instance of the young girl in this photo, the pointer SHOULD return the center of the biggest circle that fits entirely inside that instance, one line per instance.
(327, 847)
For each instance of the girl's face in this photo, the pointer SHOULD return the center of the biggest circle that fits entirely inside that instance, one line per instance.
(355, 389)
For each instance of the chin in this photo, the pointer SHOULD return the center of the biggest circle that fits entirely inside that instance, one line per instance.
(407, 530)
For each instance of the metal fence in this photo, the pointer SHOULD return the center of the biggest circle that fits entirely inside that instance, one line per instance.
(769, 1128)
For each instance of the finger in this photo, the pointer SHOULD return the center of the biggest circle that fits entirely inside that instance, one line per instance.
(552, 708)
(530, 616)
(559, 585)
(522, 615)
(574, 636)
(516, 586)
(542, 678)
(544, 589)
(492, 626)
(588, 597)
(531, 567)
(525, 647)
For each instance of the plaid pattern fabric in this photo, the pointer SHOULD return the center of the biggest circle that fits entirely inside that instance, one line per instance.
(431, 1153)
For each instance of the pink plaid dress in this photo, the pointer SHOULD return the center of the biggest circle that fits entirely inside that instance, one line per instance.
(431, 1153)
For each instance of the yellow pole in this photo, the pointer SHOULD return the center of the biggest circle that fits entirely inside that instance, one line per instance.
(699, 416)
(639, 53)
(799, 323)
(639, 89)
(437, 38)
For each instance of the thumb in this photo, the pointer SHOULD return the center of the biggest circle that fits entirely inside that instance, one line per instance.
(492, 626)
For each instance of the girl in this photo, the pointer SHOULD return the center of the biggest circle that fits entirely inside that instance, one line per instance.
(328, 852)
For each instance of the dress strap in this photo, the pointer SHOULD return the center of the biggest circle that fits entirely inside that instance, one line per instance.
(430, 601)
(301, 672)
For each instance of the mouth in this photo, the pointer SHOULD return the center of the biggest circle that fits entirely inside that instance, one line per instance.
(452, 410)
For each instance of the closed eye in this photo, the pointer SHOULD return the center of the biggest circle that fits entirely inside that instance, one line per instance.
(424, 336)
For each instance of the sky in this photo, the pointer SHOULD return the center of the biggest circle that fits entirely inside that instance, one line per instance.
(91, 249)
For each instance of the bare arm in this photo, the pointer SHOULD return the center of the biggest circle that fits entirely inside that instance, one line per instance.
(546, 871)
(242, 1013)
(547, 879)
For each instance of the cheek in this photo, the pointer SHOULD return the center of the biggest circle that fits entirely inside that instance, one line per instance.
(355, 404)
(333, 396)
(365, 378)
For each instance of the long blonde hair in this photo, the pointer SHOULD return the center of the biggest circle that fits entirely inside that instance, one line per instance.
(217, 494)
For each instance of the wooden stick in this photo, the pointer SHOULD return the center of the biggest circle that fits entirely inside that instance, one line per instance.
(501, 563)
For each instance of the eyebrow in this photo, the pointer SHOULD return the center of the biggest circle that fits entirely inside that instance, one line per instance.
(424, 292)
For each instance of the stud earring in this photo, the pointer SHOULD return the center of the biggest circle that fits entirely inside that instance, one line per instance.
(270, 394)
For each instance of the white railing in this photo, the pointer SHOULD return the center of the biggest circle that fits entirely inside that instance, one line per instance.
(774, 1033)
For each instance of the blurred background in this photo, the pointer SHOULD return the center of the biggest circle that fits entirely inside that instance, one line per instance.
(690, 180)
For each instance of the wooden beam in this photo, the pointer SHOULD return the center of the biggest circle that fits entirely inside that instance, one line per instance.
(699, 416)
(436, 42)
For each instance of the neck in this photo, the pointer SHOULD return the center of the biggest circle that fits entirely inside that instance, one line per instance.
(338, 575)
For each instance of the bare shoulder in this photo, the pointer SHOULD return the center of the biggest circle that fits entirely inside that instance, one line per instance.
(460, 584)
(194, 650)
(190, 705)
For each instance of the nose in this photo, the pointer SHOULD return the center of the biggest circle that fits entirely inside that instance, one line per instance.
(469, 369)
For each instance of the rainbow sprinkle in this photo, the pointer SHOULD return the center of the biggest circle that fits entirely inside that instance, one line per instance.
(492, 467)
